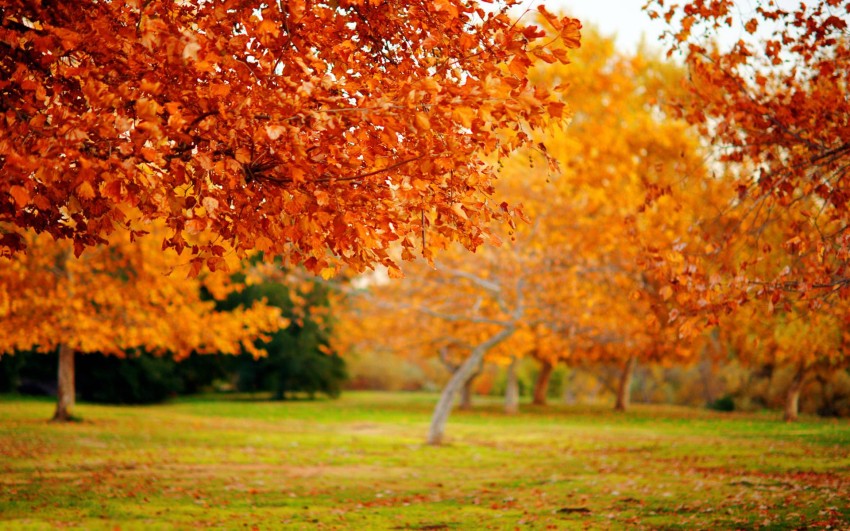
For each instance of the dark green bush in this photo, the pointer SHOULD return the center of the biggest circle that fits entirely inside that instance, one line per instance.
(724, 403)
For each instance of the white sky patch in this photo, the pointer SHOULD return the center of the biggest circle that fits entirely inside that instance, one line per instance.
(630, 23)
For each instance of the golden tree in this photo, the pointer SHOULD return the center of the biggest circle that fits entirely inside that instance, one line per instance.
(114, 299)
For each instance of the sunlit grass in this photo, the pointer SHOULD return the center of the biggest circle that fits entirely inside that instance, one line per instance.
(359, 462)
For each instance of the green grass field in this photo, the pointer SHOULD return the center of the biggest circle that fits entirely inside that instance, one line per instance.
(359, 463)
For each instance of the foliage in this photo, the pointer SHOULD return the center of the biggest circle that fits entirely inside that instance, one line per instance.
(295, 128)
(774, 104)
(117, 298)
(298, 357)
(568, 284)
(355, 463)
(724, 403)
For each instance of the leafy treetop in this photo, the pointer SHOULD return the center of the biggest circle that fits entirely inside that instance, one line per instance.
(316, 131)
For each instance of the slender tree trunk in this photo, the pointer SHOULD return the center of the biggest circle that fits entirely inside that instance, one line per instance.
(65, 392)
(792, 399)
(460, 376)
(466, 394)
(512, 389)
(541, 386)
(466, 391)
(625, 387)
(568, 395)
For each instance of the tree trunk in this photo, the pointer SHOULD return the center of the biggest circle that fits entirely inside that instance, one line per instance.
(625, 387)
(792, 399)
(65, 392)
(460, 376)
(512, 389)
(466, 394)
(541, 386)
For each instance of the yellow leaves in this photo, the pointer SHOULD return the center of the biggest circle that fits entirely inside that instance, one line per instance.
(393, 271)
(464, 115)
(263, 243)
(674, 257)
(666, 292)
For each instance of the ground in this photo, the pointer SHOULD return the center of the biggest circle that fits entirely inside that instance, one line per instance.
(360, 463)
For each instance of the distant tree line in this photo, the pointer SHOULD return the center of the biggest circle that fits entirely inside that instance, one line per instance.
(299, 361)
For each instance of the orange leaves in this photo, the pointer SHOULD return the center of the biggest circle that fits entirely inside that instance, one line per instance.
(571, 33)
(85, 190)
(20, 195)
(285, 115)
(770, 104)
(423, 123)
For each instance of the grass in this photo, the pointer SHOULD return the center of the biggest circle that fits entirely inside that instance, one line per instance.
(359, 463)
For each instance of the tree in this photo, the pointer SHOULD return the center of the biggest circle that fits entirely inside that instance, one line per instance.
(295, 128)
(299, 356)
(802, 342)
(774, 104)
(113, 299)
(571, 276)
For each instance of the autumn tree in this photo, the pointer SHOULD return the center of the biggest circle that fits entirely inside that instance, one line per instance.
(568, 272)
(315, 131)
(619, 195)
(114, 299)
(774, 104)
(455, 309)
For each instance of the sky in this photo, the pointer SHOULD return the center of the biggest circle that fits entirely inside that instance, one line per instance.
(629, 22)
(623, 17)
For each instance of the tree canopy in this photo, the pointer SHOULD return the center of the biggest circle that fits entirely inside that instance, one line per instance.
(315, 131)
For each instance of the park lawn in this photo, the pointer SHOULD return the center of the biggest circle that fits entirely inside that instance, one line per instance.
(360, 463)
